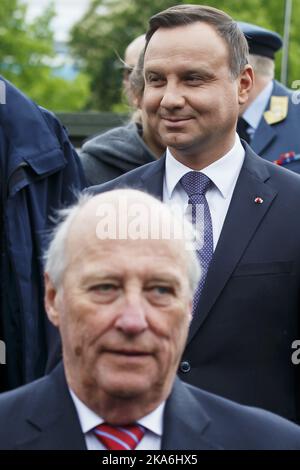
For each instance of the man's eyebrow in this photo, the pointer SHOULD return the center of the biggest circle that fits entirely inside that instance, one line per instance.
(167, 278)
(95, 275)
(152, 70)
(201, 72)
(205, 73)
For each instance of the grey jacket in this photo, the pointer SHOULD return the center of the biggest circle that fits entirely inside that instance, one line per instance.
(113, 153)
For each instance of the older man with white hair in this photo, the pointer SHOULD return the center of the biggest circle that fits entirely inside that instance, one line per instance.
(122, 300)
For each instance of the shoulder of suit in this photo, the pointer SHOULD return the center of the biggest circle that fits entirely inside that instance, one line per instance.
(254, 419)
(131, 179)
(21, 396)
(275, 172)
(284, 175)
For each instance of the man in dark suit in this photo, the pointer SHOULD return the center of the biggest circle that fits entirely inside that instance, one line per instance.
(122, 301)
(270, 119)
(247, 315)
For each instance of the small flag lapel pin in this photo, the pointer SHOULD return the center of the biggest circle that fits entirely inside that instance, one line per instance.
(258, 200)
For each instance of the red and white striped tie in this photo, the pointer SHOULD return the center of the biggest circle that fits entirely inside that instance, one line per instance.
(119, 437)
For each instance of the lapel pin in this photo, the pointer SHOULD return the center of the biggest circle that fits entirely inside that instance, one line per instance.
(258, 200)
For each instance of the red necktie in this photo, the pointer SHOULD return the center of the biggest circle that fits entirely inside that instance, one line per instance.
(119, 437)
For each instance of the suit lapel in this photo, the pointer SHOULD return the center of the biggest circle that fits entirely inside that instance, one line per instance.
(243, 218)
(52, 421)
(185, 422)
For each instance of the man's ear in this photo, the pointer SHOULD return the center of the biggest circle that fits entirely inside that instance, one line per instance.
(51, 301)
(246, 80)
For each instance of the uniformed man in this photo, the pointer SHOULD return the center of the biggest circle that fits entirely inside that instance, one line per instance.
(270, 119)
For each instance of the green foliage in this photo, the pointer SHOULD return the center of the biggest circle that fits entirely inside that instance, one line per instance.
(102, 36)
(26, 51)
(110, 25)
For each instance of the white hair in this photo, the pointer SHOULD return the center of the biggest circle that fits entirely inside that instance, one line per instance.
(263, 66)
(55, 256)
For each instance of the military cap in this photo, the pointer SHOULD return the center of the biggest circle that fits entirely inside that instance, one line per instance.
(261, 41)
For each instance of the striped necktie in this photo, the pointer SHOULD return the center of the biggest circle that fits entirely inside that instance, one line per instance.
(119, 437)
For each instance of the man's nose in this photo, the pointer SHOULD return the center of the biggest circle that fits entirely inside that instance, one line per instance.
(173, 97)
(132, 316)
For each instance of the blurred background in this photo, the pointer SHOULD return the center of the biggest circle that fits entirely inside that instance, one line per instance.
(65, 54)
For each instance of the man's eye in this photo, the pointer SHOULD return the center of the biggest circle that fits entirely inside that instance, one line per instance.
(193, 79)
(162, 290)
(103, 288)
(154, 79)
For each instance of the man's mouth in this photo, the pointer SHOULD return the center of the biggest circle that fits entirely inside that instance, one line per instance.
(128, 352)
(176, 119)
(175, 122)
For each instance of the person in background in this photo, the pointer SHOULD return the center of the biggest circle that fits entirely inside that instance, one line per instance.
(40, 173)
(131, 57)
(124, 148)
(270, 120)
(123, 306)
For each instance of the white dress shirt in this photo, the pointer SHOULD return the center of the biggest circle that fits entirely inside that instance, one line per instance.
(254, 112)
(223, 173)
(153, 423)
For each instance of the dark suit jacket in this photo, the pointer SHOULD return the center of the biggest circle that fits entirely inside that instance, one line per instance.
(270, 141)
(42, 416)
(239, 344)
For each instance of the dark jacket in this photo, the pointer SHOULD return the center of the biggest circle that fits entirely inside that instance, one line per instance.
(272, 141)
(113, 153)
(40, 172)
(240, 339)
(42, 416)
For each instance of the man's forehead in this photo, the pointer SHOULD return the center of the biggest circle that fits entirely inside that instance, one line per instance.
(91, 254)
(93, 232)
(189, 40)
(89, 240)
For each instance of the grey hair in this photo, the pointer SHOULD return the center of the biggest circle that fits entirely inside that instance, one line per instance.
(55, 260)
(263, 66)
(223, 24)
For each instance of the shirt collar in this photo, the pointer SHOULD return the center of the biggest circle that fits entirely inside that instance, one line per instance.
(256, 109)
(89, 419)
(223, 172)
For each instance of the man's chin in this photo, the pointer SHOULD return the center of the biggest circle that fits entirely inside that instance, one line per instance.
(178, 142)
(126, 388)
